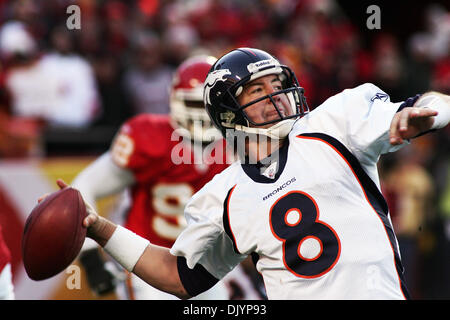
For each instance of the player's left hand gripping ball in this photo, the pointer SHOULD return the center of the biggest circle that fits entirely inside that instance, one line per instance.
(54, 234)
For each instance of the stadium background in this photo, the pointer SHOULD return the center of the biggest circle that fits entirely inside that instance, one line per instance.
(326, 42)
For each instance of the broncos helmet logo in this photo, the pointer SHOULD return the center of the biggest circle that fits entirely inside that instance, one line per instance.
(211, 80)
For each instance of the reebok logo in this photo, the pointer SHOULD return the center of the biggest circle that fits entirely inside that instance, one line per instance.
(380, 96)
(254, 67)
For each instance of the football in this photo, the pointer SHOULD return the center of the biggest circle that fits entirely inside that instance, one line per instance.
(53, 234)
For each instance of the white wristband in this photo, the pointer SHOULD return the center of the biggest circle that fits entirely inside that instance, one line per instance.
(126, 247)
(436, 103)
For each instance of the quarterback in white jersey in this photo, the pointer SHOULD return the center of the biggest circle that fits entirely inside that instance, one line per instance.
(304, 201)
(319, 228)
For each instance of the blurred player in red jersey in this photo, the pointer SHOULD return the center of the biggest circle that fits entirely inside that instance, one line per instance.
(6, 285)
(162, 160)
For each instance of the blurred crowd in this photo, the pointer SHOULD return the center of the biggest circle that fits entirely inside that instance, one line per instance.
(76, 86)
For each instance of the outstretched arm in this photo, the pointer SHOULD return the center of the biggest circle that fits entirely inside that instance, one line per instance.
(153, 264)
(431, 111)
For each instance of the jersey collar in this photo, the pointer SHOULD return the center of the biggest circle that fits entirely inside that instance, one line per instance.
(254, 171)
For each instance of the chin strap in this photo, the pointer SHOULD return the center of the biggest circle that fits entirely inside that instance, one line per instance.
(278, 131)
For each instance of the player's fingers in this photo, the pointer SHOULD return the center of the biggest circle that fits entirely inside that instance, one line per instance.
(404, 118)
(43, 197)
(92, 215)
(90, 209)
(415, 120)
(423, 112)
(61, 184)
(90, 220)
(394, 135)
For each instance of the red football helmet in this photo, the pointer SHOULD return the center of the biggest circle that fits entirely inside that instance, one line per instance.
(186, 99)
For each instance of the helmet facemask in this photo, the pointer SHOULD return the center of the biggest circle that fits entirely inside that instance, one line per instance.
(288, 104)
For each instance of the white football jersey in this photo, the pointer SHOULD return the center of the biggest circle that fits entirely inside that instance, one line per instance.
(320, 228)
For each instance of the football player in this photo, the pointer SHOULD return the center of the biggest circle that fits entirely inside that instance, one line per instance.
(162, 160)
(304, 200)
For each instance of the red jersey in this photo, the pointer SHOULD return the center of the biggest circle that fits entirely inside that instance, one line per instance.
(166, 175)
(5, 255)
